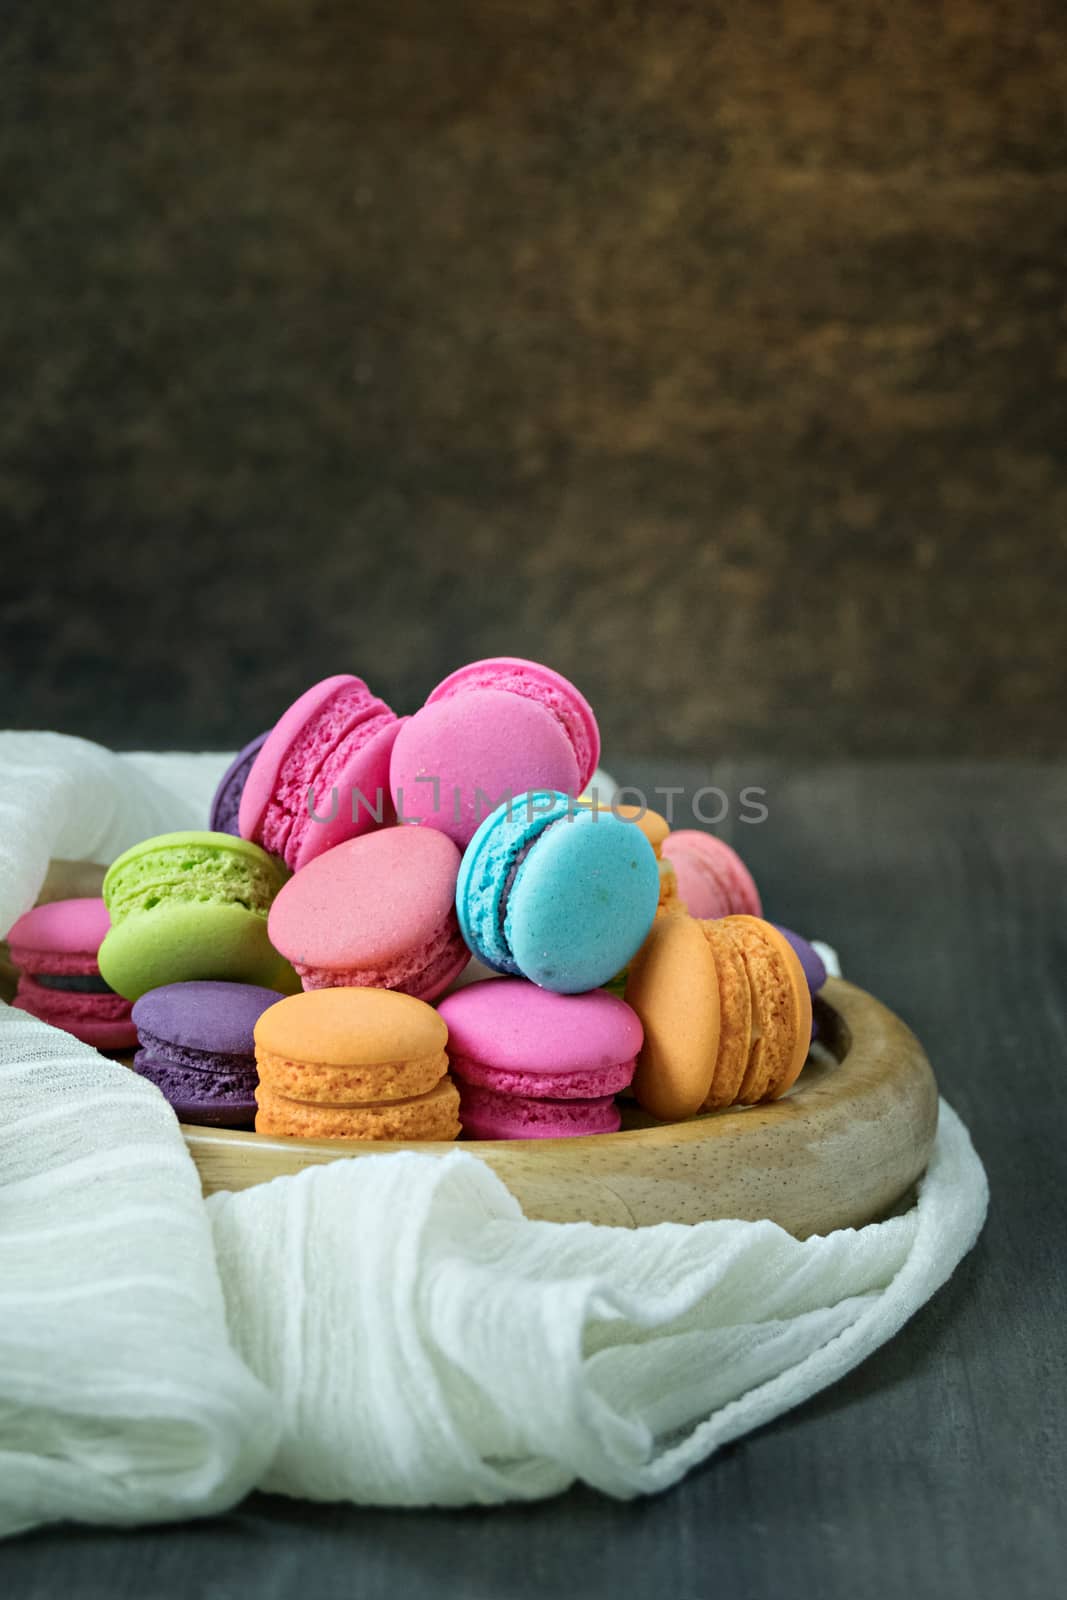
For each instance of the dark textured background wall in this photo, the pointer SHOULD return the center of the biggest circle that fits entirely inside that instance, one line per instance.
(714, 353)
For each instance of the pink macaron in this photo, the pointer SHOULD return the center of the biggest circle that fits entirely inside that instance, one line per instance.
(712, 879)
(376, 912)
(532, 1064)
(322, 775)
(55, 948)
(494, 728)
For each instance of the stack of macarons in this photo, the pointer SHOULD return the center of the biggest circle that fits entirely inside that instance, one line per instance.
(56, 948)
(197, 1046)
(361, 866)
(726, 1011)
(531, 1063)
(354, 1064)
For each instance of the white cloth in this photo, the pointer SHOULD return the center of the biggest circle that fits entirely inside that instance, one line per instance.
(390, 1331)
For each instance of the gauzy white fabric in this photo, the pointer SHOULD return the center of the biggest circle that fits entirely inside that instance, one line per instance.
(392, 1330)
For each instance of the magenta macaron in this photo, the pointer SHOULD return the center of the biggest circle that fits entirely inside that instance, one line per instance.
(55, 949)
(496, 727)
(531, 1064)
(376, 912)
(712, 879)
(322, 775)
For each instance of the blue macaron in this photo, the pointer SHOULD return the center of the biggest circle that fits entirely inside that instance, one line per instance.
(557, 893)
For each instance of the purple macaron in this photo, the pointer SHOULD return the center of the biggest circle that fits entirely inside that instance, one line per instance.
(227, 801)
(809, 958)
(812, 963)
(197, 1047)
(532, 1064)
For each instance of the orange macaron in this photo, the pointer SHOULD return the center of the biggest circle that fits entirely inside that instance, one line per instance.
(354, 1064)
(726, 1011)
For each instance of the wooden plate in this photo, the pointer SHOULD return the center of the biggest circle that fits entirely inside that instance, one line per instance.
(844, 1147)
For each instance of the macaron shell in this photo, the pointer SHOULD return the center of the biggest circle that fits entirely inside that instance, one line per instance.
(62, 928)
(314, 1082)
(432, 1116)
(594, 1083)
(207, 1018)
(673, 986)
(781, 1009)
(654, 827)
(514, 1027)
(222, 1100)
(534, 681)
(338, 734)
(582, 902)
(735, 1017)
(351, 1027)
(458, 758)
(485, 1114)
(713, 881)
(377, 911)
(197, 867)
(226, 804)
(186, 940)
(360, 769)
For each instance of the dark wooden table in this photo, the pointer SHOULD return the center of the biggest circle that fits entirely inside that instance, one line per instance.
(938, 1467)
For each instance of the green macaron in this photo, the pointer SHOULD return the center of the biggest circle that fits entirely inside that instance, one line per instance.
(192, 905)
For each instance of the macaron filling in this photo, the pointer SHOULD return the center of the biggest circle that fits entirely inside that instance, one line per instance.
(73, 982)
(387, 1104)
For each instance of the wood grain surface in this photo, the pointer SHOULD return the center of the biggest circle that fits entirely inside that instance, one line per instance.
(725, 341)
(938, 1468)
(843, 1148)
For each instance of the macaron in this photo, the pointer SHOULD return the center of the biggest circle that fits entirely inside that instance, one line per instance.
(197, 1046)
(191, 905)
(227, 802)
(655, 829)
(322, 775)
(555, 893)
(494, 729)
(713, 881)
(809, 958)
(726, 1012)
(377, 912)
(531, 1064)
(55, 948)
(354, 1064)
